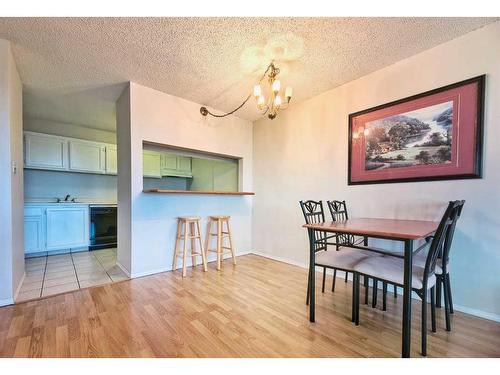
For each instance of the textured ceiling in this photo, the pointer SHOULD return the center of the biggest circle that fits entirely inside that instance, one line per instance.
(73, 69)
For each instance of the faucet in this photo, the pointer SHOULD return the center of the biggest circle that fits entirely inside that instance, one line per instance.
(67, 197)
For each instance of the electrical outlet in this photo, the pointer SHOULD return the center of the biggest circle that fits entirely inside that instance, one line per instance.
(14, 168)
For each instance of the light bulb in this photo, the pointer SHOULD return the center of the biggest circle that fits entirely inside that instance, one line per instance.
(257, 91)
(276, 85)
(261, 100)
(355, 135)
(288, 92)
(277, 100)
(366, 132)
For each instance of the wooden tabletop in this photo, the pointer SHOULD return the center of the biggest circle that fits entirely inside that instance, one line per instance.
(389, 228)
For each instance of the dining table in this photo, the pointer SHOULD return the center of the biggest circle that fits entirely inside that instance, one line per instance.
(406, 231)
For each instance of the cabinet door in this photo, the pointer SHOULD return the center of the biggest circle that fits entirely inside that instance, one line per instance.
(225, 176)
(111, 160)
(34, 239)
(168, 165)
(42, 151)
(151, 164)
(86, 156)
(184, 165)
(67, 227)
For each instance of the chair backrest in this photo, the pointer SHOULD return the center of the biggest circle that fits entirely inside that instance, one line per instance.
(338, 210)
(445, 255)
(444, 230)
(314, 214)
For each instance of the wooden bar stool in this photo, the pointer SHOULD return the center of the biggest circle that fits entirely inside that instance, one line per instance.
(188, 228)
(222, 233)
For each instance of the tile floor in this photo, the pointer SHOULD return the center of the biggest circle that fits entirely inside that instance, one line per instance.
(62, 273)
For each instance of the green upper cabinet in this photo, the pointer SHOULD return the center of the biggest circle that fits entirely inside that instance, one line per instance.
(168, 164)
(151, 164)
(177, 166)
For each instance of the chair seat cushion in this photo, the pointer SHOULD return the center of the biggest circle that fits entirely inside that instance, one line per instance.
(391, 269)
(345, 258)
(420, 259)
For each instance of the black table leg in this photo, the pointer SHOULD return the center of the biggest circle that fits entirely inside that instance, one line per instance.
(312, 275)
(408, 261)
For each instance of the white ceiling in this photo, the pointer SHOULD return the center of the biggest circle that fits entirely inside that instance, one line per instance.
(73, 69)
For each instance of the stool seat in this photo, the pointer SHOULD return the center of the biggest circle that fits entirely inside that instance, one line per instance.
(220, 217)
(189, 218)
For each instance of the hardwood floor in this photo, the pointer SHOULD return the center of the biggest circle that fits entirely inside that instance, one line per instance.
(255, 309)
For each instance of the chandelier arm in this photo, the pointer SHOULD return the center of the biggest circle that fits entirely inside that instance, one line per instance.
(204, 110)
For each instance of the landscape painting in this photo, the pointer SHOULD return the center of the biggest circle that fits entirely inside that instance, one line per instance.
(434, 135)
(420, 137)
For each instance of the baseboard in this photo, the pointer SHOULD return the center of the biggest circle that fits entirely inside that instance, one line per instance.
(6, 302)
(150, 272)
(122, 267)
(341, 275)
(166, 269)
(19, 287)
(478, 313)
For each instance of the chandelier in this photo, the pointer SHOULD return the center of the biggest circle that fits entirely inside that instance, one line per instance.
(267, 94)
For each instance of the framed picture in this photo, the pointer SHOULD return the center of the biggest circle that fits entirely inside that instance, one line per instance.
(436, 135)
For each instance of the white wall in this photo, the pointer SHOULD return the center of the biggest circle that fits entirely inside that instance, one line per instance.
(11, 184)
(124, 183)
(164, 119)
(68, 130)
(47, 185)
(303, 155)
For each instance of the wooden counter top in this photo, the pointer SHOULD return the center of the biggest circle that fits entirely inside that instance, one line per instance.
(193, 192)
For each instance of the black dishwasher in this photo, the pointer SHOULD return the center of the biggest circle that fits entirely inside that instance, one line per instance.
(102, 227)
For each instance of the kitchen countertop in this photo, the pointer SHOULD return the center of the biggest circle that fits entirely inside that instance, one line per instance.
(83, 201)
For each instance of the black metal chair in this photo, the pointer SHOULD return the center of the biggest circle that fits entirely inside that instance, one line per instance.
(442, 271)
(343, 260)
(338, 212)
(391, 269)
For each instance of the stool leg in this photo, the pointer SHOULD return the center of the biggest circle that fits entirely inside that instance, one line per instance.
(176, 248)
(219, 243)
(203, 258)
(208, 238)
(184, 255)
(193, 244)
(230, 241)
